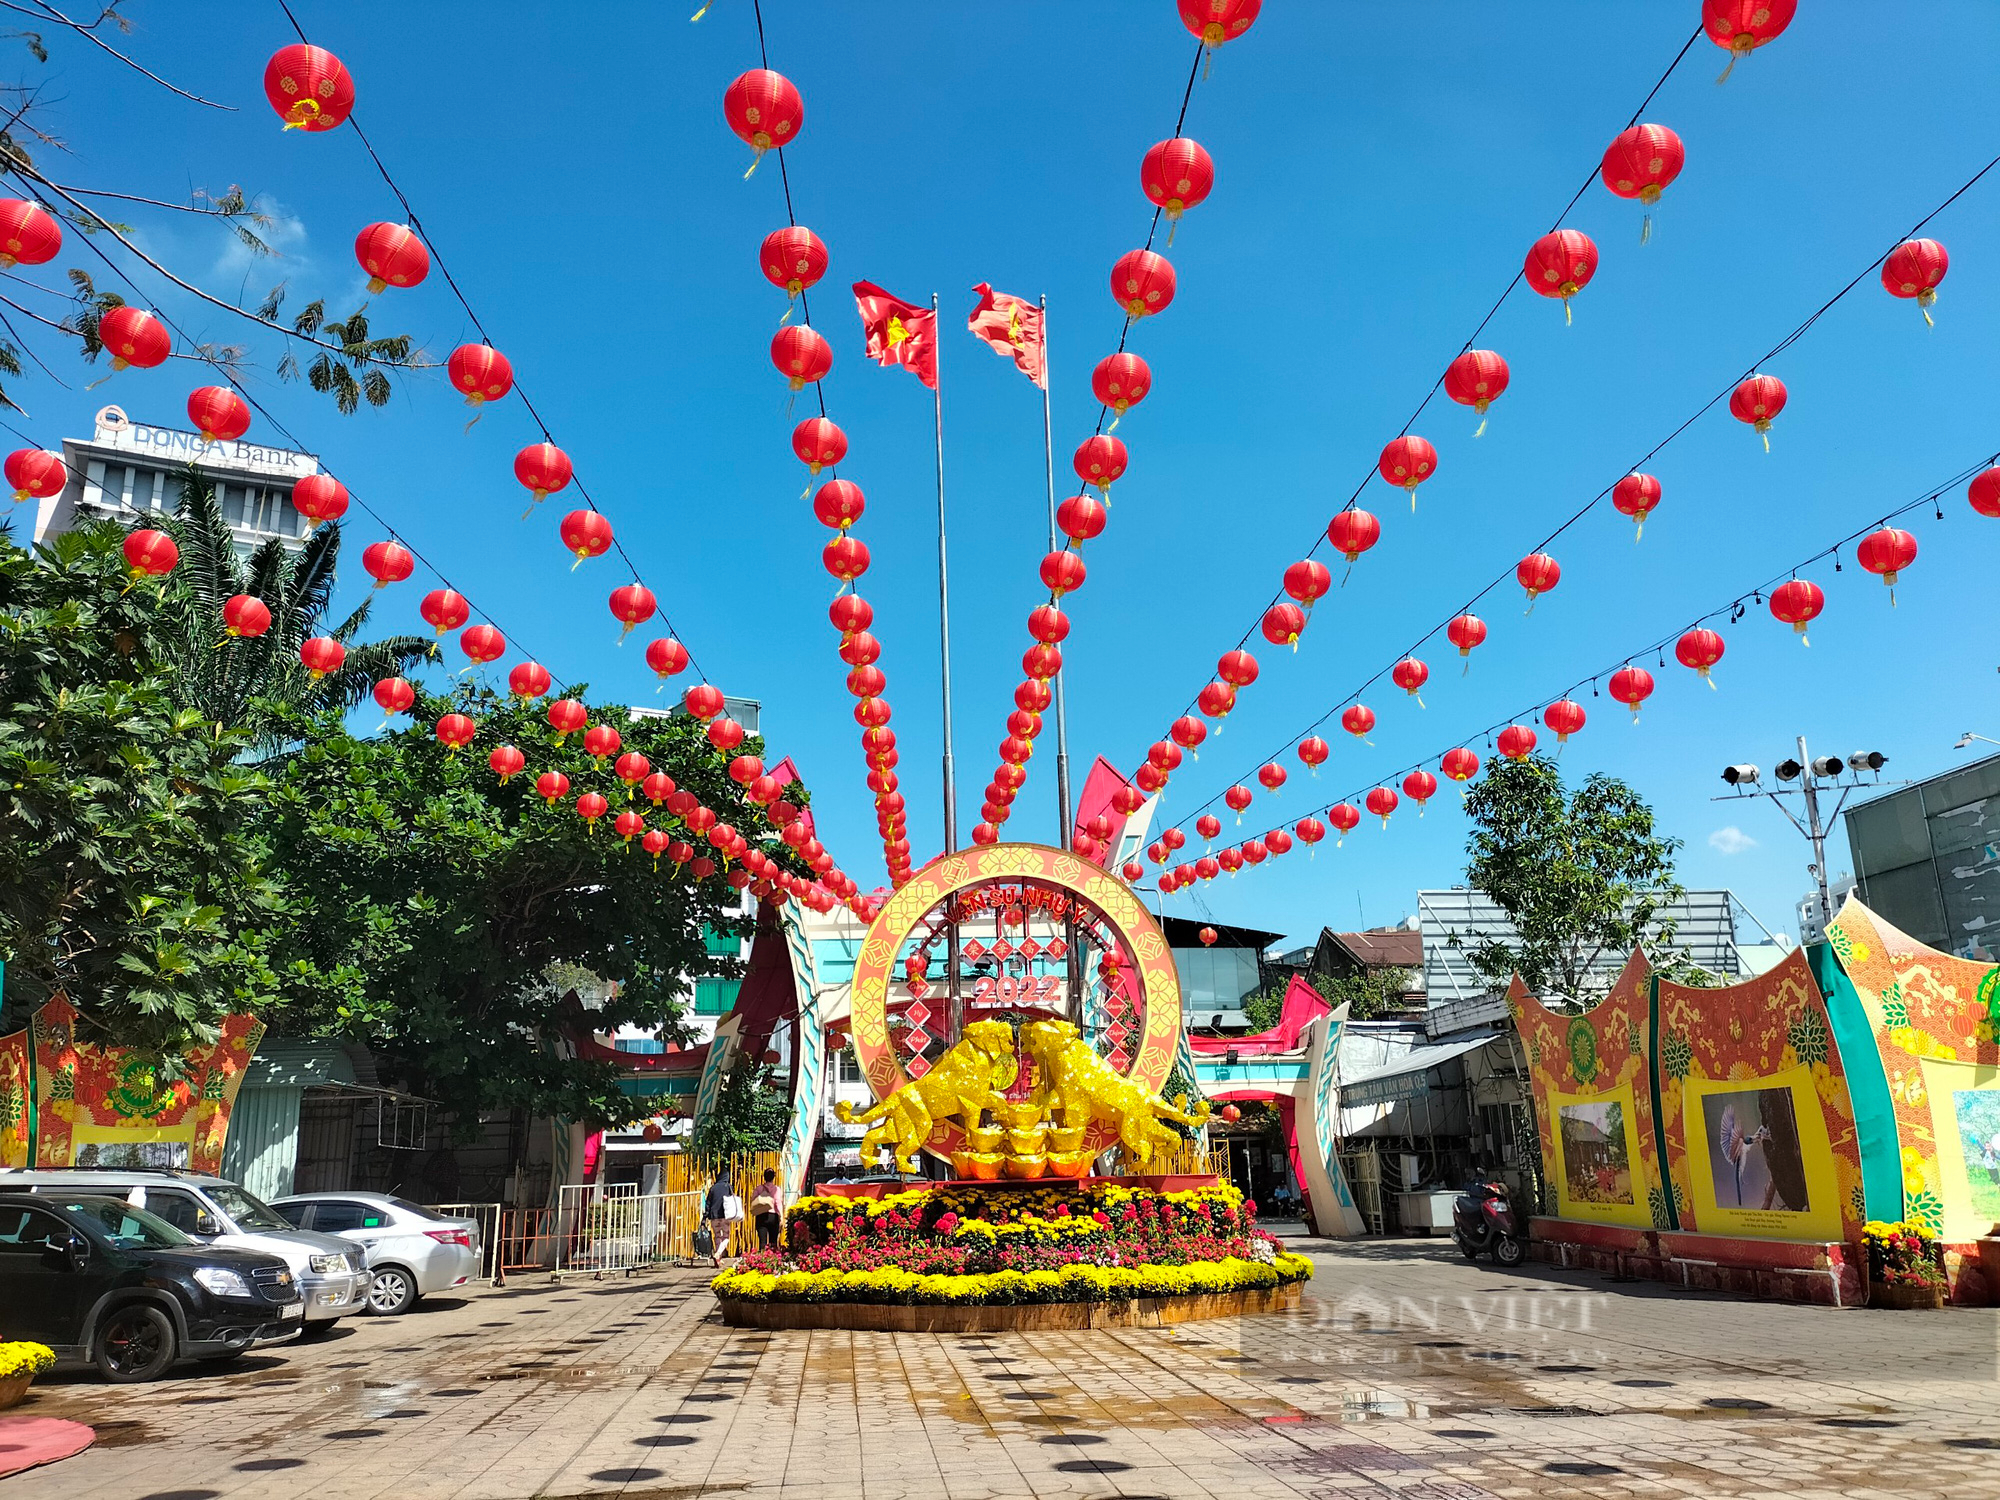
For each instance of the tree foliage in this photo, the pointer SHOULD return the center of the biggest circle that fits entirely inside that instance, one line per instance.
(1580, 876)
(126, 878)
(752, 1110)
(1367, 995)
(432, 900)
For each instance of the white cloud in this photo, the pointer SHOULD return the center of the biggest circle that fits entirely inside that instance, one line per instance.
(1730, 840)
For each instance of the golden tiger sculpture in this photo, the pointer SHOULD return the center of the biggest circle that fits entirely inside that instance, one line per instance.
(1073, 1082)
(969, 1078)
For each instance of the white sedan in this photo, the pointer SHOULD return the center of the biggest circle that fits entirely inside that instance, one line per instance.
(411, 1250)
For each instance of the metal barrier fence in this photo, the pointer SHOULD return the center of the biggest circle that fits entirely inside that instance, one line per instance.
(590, 1231)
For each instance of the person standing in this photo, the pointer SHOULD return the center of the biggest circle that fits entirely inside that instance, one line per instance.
(715, 1209)
(767, 1210)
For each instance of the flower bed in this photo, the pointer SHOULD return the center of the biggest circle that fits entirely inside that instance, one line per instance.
(20, 1363)
(967, 1246)
(1905, 1265)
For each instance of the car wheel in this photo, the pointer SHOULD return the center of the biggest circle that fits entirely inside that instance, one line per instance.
(1509, 1251)
(393, 1290)
(135, 1342)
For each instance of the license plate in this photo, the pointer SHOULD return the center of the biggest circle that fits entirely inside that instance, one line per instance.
(296, 1310)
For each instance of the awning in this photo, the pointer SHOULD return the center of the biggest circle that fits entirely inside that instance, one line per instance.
(1407, 1076)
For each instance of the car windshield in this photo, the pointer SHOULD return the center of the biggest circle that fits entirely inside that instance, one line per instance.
(126, 1227)
(248, 1212)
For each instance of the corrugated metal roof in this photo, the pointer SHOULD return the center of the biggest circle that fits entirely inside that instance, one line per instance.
(1403, 1078)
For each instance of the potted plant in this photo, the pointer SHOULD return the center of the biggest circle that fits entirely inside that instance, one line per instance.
(20, 1363)
(1905, 1265)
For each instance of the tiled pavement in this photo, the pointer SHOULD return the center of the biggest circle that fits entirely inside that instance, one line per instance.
(1407, 1370)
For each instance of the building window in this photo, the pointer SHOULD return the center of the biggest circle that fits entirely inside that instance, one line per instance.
(714, 997)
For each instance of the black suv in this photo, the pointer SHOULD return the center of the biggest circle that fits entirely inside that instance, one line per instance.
(104, 1283)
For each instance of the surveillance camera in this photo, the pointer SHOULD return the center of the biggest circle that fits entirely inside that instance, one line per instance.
(1740, 775)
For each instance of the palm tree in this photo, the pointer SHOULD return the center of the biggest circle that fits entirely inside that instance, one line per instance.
(239, 682)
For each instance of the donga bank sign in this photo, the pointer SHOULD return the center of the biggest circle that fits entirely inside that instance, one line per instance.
(173, 446)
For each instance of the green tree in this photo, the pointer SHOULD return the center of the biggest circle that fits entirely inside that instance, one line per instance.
(431, 900)
(1580, 876)
(126, 879)
(1372, 993)
(242, 682)
(751, 1113)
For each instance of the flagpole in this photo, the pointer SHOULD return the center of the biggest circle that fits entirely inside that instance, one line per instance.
(1049, 464)
(944, 598)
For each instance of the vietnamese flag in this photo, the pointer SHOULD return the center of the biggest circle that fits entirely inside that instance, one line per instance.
(899, 332)
(1012, 327)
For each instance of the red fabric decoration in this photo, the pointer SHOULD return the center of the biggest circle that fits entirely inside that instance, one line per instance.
(1062, 572)
(1797, 603)
(1353, 531)
(1407, 461)
(632, 604)
(309, 88)
(1357, 719)
(394, 695)
(1516, 742)
(1914, 269)
(543, 468)
(590, 807)
(1188, 731)
(1757, 400)
(764, 110)
(133, 336)
(1420, 787)
(1642, 162)
(551, 785)
(1081, 518)
(388, 562)
(792, 259)
(587, 534)
(480, 373)
(1046, 623)
(1216, 700)
(566, 716)
(1565, 716)
(1344, 816)
(245, 617)
(1283, 623)
(1983, 494)
(726, 734)
(601, 741)
(1307, 581)
(1142, 282)
(1459, 765)
(1272, 775)
(667, 656)
(319, 497)
(1631, 686)
(29, 234)
(1465, 632)
(1744, 25)
(1208, 825)
(839, 503)
(1100, 461)
(150, 554)
(1560, 264)
(322, 655)
(1537, 573)
(528, 680)
(455, 731)
(1219, 21)
(1381, 802)
(703, 700)
(1120, 382)
(392, 255)
(1278, 841)
(1410, 675)
(801, 355)
(1699, 649)
(1887, 552)
(1311, 830)
(1176, 175)
(1237, 798)
(218, 414)
(818, 443)
(1476, 379)
(1637, 496)
(36, 473)
(1040, 662)
(1313, 751)
(1237, 668)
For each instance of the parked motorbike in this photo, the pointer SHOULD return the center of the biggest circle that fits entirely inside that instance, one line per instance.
(1483, 1219)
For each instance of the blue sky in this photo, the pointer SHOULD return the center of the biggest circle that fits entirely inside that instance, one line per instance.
(1373, 193)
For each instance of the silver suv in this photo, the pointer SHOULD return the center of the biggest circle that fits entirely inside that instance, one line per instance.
(330, 1271)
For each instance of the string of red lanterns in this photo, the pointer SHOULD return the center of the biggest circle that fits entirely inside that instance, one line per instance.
(1880, 547)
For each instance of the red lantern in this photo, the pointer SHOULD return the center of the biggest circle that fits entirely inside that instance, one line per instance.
(483, 644)
(1699, 649)
(1344, 816)
(764, 110)
(587, 534)
(1353, 531)
(1537, 573)
(133, 336)
(1142, 282)
(1357, 719)
(1407, 461)
(1237, 798)
(628, 825)
(1459, 765)
(395, 695)
(1744, 25)
(1310, 830)
(764, 790)
(528, 680)
(1631, 686)
(1045, 623)
(150, 554)
(1041, 662)
(1516, 742)
(1216, 700)
(726, 734)
(845, 557)
(1167, 757)
(590, 807)
(566, 716)
(1381, 802)
(1062, 572)
(1230, 859)
(1081, 517)
(36, 473)
(455, 732)
(859, 649)
(666, 656)
(801, 355)
(1757, 400)
(1176, 175)
(632, 604)
(1887, 552)
(319, 497)
(1420, 786)
(322, 655)
(480, 373)
(1272, 775)
(1283, 623)
(1410, 675)
(1120, 382)
(1307, 581)
(818, 443)
(1983, 494)
(1207, 936)
(1125, 801)
(544, 469)
(1278, 841)
(1466, 632)
(1133, 871)
(631, 768)
(1208, 825)
(1641, 162)
(1637, 496)
(1313, 751)
(1238, 668)
(655, 843)
(1100, 461)
(867, 682)
(218, 414)
(792, 259)
(245, 616)
(839, 503)
(985, 833)
(601, 741)
(1219, 21)
(392, 255)
(551, 785)
(1476, 379)
(1797, 603)
(29, 234)
(388, 562)
(309, 87)
(1560, 264)
(1188, 731)
(1565, 716)
(1173, 839)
